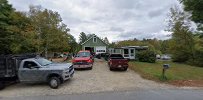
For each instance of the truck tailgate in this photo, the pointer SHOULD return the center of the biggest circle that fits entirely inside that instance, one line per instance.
(117, 62)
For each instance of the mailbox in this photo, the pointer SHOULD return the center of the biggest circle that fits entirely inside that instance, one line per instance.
(166, 66)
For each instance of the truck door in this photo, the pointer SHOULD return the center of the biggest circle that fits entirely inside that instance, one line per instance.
(29, 72)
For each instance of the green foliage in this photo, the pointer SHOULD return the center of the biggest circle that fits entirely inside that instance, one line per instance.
(52, 34)
(6, 35)
(24, 38)
(182, 42)
(89, 35)
(82, 37)
(154, 44)
(112, 45)
(196, 9)
(39, 30)
(198, 58)
(129, 43)
(165, 47)
(147, 56)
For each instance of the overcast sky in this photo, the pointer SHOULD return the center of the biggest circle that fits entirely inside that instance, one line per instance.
(115, 19)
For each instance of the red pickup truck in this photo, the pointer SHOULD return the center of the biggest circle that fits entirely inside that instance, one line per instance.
(82, 60)
(117, 61)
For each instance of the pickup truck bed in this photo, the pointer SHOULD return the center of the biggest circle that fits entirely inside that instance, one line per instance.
(9, 65)
(117, 62)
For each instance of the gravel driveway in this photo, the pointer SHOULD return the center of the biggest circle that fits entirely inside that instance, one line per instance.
(99, 79)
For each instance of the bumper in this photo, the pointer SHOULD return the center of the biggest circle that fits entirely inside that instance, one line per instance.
(121, 67)
(68, 75)
(82, 66)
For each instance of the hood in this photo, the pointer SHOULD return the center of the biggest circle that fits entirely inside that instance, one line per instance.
(61, 66)
(81, 58)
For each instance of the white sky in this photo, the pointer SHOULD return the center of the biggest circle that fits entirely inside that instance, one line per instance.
(115, 19)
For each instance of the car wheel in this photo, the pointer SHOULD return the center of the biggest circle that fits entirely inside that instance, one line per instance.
(54, 82)
(2, 86)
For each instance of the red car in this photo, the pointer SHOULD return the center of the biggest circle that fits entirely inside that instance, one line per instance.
(117, 61)
(83, 60)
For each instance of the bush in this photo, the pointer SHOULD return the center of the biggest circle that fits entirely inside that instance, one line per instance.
(147, 56)
(198, 59)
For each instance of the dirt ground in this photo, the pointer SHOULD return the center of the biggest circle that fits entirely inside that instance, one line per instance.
(99, 79)
(188, 83)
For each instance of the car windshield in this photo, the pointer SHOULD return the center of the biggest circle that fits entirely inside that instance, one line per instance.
(43, 61)
(83, 54)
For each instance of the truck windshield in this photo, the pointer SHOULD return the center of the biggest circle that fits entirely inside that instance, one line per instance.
(43, 61)
(83, 54)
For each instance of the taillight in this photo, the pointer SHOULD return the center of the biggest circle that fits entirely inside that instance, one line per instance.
(110, 62)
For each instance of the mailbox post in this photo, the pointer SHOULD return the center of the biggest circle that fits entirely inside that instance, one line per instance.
(165, 67)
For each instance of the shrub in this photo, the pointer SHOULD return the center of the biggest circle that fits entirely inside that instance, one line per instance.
(198, 59)
(147, 56)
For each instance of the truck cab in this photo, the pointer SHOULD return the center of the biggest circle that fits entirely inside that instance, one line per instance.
(34, 70)
(83, 60)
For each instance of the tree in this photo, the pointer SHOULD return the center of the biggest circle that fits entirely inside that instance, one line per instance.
(165, 46)
(52, 33)
(112, 45)
(106, 40)
(74, 46)
(82, 37)
(196, 9)
(182, 42)
(6, 36)
(89, 35)
(25, 40)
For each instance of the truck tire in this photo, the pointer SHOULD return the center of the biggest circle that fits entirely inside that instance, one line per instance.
(2, 86)
(54, 82)
(90, 68)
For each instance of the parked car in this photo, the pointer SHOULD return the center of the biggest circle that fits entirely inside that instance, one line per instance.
(34, 70)
(98, 56)
(158, 56)
(117, 61)
(83, 60)
(165, 57)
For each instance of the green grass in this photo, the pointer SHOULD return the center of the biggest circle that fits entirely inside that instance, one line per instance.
(176, 71)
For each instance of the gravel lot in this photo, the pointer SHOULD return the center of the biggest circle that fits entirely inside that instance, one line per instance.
(99, 79)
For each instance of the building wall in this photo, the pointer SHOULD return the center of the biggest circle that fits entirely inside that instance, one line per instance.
(92, 44)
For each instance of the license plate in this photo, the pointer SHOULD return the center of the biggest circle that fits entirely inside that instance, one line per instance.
(119, 65)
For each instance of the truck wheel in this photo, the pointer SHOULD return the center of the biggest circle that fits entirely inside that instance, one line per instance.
(90, 68)
(2, 86)
(54, 82)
